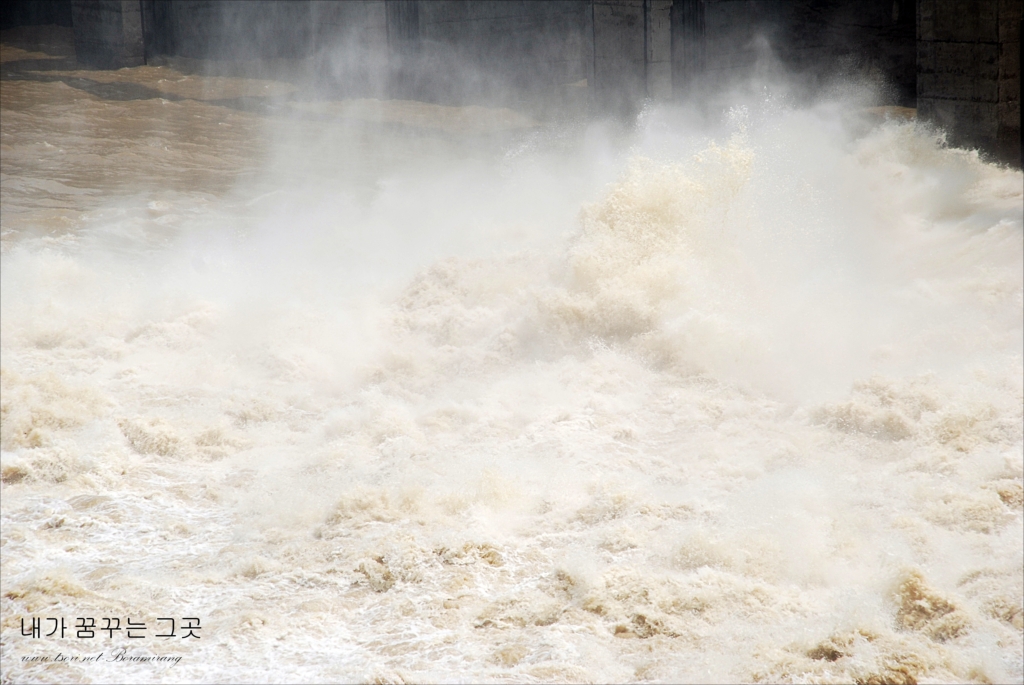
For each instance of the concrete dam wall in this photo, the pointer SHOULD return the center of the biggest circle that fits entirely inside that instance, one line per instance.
(957, 62)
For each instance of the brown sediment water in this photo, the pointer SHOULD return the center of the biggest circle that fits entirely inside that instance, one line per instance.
(400, 392)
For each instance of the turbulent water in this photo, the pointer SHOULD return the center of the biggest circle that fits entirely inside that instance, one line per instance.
(397, 392)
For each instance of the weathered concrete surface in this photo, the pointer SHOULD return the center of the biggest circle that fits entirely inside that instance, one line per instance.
(612, 53)
(108, 33)
(658, 15)
(351, 47)
(968, 71)
(404, 46)
(495, 49)
(14, 13)
(956, 60)
(689, 46)
(813, 42)
(620, 79)
(234, 29)
(872, 40)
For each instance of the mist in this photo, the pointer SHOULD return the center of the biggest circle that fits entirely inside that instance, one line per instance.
(477, 379)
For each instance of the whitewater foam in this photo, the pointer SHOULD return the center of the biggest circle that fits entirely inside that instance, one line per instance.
(738, 404)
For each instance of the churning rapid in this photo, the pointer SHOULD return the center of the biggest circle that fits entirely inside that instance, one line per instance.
(398, 392)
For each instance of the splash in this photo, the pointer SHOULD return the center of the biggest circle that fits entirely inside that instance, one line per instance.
(547, 406)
